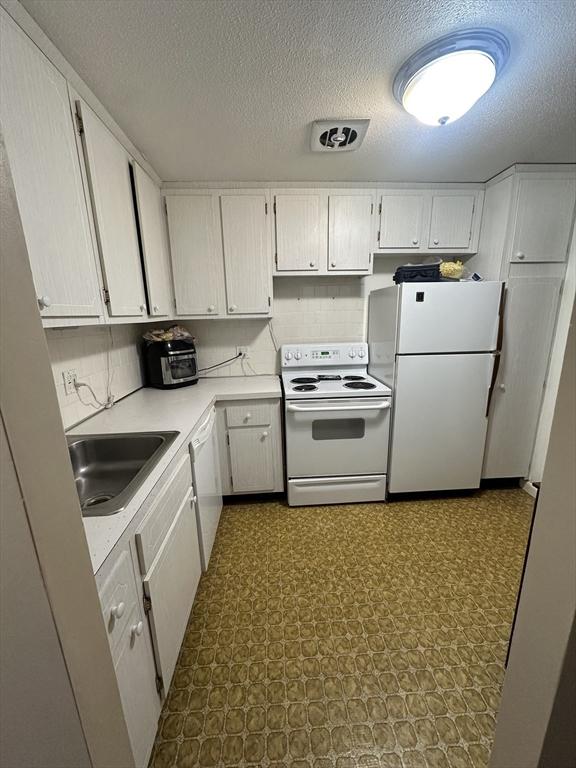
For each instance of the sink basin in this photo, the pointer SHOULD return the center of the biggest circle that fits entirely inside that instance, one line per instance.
(109, 469)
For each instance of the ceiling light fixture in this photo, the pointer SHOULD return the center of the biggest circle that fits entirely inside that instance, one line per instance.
(444, 79)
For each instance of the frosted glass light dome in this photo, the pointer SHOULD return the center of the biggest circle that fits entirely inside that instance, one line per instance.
(443, 80)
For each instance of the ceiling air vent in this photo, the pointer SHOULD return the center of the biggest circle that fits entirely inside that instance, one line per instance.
(338, 135)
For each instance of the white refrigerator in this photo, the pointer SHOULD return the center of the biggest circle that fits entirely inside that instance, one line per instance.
(437, 346)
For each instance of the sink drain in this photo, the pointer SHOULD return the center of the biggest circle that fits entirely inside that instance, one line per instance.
(98, 499)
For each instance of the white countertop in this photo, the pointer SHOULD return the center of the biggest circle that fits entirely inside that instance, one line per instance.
(149, 410)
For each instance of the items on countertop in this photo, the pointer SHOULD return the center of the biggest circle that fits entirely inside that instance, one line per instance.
(173, 333)
(452, 269)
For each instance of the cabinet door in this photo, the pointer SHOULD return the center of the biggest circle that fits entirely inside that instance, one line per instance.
(251, 458)
(451, 221)
(171, 585)
(109, 173)
(529, 319)
(136, 675)
(545, 211)
(41, 147)
(247, 253)
(349, 232)
(300, 232)
(402, 221)
(154, 243)
(195, 246)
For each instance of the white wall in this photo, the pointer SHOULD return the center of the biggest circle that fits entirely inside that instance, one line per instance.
(92, 351)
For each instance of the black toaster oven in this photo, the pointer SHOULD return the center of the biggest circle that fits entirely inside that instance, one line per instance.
(170, 364)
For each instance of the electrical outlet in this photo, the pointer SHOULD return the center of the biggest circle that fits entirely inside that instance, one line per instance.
(244, 351)
(69, 377)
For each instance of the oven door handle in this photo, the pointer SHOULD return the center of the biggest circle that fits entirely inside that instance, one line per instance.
(324, 409)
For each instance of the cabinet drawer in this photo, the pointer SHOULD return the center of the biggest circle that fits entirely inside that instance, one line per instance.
(155, 525)
(248, 415)
(118, 599)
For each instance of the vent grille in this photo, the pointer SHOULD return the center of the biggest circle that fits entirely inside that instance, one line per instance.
(338, 135)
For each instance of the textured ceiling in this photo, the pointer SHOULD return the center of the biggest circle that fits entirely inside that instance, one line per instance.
(226, 89)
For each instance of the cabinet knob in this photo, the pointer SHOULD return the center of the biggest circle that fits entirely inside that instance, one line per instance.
(265, 434)
(194, 499)
(137, 629)
(211, 308)
(520, 255)
(312, 263)
(415, 241)
(155, 308)
(44, 301)
(332, 263)
(502, 387)
(233, 307)
(248, 416)
(117, 610)
(436, 241)
(142, 307)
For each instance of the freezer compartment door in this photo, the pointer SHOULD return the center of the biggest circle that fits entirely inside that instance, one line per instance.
(439, 423)
(448, 317)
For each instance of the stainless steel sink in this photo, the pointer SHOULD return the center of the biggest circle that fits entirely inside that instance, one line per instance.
(109, 469)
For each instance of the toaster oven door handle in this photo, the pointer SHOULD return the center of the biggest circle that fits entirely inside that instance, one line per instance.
(380, 406)
(180, 353)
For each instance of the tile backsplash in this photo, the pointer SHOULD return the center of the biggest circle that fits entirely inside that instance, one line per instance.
(98, 354)
(305, 310)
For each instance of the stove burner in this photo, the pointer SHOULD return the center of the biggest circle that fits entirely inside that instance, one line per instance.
(360, 385)
(304, 380)
(353, 378)
(305, 387)
(329, 377)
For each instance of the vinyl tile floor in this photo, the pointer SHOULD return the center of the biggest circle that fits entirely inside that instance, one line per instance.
(363, 635)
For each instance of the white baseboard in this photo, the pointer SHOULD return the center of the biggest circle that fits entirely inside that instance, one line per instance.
(527, 486)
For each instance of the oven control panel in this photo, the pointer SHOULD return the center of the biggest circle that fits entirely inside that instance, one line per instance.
(294, 355)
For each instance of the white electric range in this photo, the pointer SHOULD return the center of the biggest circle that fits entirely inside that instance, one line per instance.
(337, 424)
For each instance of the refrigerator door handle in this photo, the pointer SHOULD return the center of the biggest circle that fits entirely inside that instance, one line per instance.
(493, 381)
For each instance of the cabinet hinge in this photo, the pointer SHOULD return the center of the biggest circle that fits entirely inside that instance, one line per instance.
(106, 295)
(266, 208)
(379, 207)
(269, 301)
(147, 604)
(274, 207)
(79, 123)
(369, 258)
(371, 208)
(276, 260)
(227, 438)
(378, 236)
(159, 683)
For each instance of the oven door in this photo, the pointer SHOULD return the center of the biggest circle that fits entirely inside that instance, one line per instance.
(337, 437)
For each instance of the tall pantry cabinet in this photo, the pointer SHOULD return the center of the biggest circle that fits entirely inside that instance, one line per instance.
(526, 232)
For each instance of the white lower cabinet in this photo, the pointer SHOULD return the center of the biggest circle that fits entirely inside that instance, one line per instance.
(147, 586)
(250, 443)
(131, 649)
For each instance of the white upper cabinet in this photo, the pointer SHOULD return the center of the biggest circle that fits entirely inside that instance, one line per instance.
(300, 230)
(195, 246)
(543, 219)
(429, 221)
(350, 232)
(41, 146)
(402, 218)
(451, 221)
(247, 252)
(109, 174)
(323, 231)
(154, 241)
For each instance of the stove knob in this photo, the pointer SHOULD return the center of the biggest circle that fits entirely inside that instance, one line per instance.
(361, 353)
(288, 355)
(297, 355)
(352, 353)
